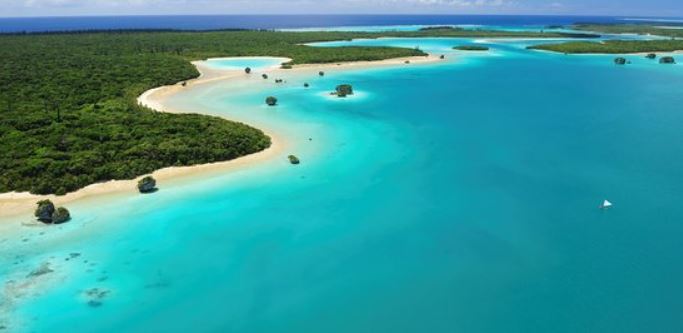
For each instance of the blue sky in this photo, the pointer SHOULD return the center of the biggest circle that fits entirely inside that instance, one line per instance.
(668, 8)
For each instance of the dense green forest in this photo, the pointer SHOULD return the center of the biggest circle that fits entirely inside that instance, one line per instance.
(620, 46)
(68, 112)
(613, 46)
(640, 29)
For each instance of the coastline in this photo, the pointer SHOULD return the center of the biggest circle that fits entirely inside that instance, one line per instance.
(16, 204)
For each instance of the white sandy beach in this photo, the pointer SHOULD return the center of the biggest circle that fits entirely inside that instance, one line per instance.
(16, 204)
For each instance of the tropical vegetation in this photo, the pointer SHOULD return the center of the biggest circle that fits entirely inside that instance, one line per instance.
(69, 115)
(612, 46)
(47, 213)
(471, 48)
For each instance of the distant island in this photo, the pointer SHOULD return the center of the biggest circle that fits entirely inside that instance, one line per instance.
(471, 48)
(619, 46)
(68, 111)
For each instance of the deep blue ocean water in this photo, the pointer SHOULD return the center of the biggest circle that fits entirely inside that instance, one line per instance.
(458, 196)
(208, 22)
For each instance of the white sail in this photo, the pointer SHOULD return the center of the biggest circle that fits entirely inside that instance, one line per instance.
(606, 204)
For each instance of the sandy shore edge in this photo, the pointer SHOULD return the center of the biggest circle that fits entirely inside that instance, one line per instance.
(15, 204)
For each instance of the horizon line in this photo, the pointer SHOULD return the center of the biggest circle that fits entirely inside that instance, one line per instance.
(625, 17)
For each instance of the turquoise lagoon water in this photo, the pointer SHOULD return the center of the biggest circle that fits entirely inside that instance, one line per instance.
(458, 196)
(255, 63)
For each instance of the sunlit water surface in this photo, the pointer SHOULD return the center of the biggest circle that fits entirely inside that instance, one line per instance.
(458, 196)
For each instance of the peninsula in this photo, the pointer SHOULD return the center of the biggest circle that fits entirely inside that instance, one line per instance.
(69, 115)
(669, 44)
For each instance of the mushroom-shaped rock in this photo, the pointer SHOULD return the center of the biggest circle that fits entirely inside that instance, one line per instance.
(264, 76)
(271, 101)
(651, 56)
(344, 89)
(407, 61)
(306, 85)
(47, 213)
(293, 159)
(321, 73)
(61, 215)
(147, 184)
(667, 60)
(44, 211)
(620, 61)
(442, 57)
(247, 70)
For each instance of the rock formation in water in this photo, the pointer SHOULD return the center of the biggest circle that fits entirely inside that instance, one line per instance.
(620, 61)
(344, 90)
(651, 56)
(147, 184)
(61, 215)
(44, 211)
(271, 101)
(247, 70)
(293, 159)
(47, 213)
(321, 73)
(264, 76)
(667, 60)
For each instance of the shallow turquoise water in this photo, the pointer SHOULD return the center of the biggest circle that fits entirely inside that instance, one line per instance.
(255, 63)
(459, 196)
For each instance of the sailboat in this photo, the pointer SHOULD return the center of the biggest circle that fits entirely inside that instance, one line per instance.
(606, 204)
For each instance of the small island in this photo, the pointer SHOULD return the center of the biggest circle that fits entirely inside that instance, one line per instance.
(471, 48)
(344, 90)
(271, 101)
(293, 159)
(620, 61)
(440, 27)
(247, 70)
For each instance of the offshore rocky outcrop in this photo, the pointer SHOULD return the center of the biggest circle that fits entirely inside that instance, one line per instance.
(147, 185)
(344, 90)
(293, 159)
(48, 214)
(620, 61)
(667, 60)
